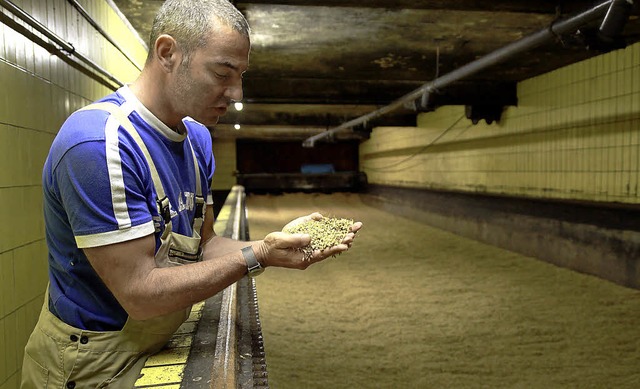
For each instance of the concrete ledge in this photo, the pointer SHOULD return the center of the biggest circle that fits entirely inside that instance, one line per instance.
(598, 239)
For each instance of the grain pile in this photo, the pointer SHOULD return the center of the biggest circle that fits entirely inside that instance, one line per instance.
(326, 232)
(418, 307)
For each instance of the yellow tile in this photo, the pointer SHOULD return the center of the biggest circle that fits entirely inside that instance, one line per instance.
(32, 210)
(198, 306)
(623, 107)
(11, 355)
(590, 67)
(38, 102)
(607, 183)
(39, 262)
(2, 51)
(30, 104)
(635, 79)
(20, 112)
(7, 284)
(5, 228)
(626, 80)
(180, 341)
(8, 148)
(161, 375)
(604, 85)
(605, 63)
(21, 200)
(22, 332)
(32, 312)
(9, 43)
(13, 382)
(620, 59)
(172, 356)
(8, 233)
(4, 97)
(159, 386)
(3, 352)
(188, 327)
(22, 275)
(628, 57)
(54, 117)
(195, 315)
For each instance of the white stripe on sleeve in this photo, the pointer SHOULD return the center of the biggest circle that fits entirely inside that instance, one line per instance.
(114, 166)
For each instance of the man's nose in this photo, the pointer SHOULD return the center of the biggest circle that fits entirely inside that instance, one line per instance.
(234, 93)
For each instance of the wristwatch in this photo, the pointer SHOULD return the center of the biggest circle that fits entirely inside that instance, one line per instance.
(253, 266)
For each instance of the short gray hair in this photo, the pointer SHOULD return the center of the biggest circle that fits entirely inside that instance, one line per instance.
(188, 22)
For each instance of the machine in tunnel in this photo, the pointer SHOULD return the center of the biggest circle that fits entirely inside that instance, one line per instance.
(276, 167)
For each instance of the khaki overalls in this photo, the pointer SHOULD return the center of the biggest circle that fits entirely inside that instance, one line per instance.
(61, 356)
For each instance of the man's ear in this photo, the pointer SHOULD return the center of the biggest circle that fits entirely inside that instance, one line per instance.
(167, 52)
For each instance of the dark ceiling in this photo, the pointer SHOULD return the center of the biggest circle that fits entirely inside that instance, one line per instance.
(318, 64)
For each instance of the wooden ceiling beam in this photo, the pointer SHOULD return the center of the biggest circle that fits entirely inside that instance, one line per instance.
(542, 6)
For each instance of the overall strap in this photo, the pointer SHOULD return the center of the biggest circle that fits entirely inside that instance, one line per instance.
(199, 214)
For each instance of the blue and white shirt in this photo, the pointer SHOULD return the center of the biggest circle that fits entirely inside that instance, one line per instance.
(98, 190)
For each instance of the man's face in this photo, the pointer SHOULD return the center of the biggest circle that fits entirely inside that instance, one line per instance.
(204, 88)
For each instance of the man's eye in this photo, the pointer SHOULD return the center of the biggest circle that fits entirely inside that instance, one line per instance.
(222, 76)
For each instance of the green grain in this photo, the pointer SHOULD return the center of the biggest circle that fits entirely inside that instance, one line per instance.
(325, 233)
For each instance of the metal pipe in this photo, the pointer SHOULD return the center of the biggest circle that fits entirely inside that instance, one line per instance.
(495, 57)
(102, 32)
(66, 47)
(615, 19)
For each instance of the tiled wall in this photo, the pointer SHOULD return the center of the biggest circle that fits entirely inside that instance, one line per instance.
(575, 134)
(37, 91)
(224, 150)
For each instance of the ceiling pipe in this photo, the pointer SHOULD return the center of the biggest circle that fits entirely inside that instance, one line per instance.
(614, 21)
(65, 47)
(556, 29)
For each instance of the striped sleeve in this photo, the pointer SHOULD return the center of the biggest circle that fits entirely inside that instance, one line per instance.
(105, 188)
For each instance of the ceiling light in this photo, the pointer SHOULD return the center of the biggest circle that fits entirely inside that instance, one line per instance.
(237, 126)
(238, 106)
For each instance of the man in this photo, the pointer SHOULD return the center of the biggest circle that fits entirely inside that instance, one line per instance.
(124, 187)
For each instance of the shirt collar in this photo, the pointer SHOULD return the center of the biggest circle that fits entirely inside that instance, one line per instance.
(149, 117)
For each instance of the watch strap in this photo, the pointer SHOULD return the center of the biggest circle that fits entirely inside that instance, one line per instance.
(253, 266)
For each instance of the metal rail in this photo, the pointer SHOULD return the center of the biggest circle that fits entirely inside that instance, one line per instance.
(552, 32)
(223, 336)
(239, 357)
